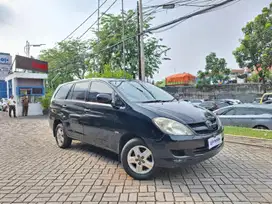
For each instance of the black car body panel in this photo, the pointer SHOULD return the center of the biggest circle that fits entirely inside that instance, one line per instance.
(105, 126)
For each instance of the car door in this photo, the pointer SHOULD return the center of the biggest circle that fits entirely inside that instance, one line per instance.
(225, 115)
(243, 117)
(99, 118)
(75, 105)
(58, 107)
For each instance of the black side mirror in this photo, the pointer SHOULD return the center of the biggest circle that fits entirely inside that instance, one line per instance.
(116, 101)
(104, 98)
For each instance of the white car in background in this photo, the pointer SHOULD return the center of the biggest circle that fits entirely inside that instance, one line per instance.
(3, 104)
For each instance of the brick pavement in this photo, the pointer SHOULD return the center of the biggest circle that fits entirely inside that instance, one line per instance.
(34, 170)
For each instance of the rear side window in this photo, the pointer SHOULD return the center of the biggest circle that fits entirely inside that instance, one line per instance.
(63, 91)
(79, 91)
(98, 88)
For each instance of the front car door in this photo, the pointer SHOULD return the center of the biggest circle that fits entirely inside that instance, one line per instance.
(99, 118)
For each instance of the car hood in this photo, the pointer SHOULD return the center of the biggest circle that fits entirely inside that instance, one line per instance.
(182, 111)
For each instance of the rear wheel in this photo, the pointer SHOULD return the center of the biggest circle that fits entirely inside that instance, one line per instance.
(261, 127)
(138, 160)
(61, 138)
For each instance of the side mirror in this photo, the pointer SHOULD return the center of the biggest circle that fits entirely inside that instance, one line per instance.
(104, 98)
(116, 101)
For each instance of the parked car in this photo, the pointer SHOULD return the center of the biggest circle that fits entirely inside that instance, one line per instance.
(246, 115)
(147, 127)
(210, 105)
(257, 100)
(267, 102)
(196, 101)
(266, 97)
(231, 101)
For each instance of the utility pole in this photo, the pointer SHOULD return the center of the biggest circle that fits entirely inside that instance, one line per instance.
(123, 38)
(139, 41)
(142, 39)
(28, 45)
(98, 16)
(27, 49)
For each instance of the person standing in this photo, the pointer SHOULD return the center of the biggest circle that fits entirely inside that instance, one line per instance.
(11, 105)
(25, 103)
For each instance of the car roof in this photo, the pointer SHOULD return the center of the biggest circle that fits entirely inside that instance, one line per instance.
(99, 79)
(249, 105)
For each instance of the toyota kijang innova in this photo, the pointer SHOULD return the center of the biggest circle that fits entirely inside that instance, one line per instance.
(147, 127)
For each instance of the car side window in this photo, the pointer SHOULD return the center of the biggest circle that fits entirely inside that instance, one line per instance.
(230, 112)
(98, 88)
(63, 91)
(80, 90)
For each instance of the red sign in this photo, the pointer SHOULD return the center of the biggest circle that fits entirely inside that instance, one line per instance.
(31, 64)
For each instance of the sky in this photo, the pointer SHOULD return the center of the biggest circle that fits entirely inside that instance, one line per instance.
(50, 21)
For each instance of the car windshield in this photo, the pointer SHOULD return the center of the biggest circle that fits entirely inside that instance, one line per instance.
(136, 91)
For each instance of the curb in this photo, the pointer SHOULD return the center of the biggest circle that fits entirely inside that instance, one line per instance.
(250, 141)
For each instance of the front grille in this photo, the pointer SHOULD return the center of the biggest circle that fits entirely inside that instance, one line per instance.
(207, 127)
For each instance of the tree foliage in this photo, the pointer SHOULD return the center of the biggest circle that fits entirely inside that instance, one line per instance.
(111, 34)
(255, 50)
(67, 61)
(215, 71)
(108, 73)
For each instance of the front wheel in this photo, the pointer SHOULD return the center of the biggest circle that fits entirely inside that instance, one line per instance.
(138, 160)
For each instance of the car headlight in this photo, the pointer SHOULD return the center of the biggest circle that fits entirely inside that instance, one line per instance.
(172, 127)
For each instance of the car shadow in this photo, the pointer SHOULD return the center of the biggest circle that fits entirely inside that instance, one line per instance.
(162, 173)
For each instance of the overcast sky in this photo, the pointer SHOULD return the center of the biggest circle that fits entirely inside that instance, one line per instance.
(50, 21)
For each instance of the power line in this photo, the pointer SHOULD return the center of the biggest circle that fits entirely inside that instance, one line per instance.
(189, 16)
(178, 20)
(84, 21)
(98, 19)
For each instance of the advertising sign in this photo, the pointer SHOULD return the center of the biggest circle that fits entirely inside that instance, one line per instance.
(5, 59)
(31, 64)
(5, 65)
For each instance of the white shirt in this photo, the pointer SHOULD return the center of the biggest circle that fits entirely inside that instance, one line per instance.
(11, 102)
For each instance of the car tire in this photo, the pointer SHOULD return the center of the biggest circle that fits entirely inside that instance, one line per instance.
(261, 127)
(61, 138)
(138, 160)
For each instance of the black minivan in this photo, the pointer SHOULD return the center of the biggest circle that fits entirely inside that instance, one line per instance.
(147, 127)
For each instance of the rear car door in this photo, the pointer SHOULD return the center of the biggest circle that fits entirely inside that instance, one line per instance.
(75, 107)
(99, 118)
(58, 107)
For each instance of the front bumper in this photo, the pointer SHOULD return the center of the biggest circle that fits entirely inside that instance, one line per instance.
(173, 152)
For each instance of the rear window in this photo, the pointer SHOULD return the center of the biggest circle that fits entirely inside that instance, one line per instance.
(63, 91)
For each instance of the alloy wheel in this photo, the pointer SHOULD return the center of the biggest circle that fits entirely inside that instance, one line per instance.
(60, 136)
(140, 159)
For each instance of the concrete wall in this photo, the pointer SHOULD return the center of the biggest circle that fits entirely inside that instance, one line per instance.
(245, 92)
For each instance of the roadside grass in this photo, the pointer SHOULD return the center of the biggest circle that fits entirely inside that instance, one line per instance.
(241, 131)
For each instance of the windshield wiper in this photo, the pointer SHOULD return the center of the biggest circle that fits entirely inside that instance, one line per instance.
(157, 101)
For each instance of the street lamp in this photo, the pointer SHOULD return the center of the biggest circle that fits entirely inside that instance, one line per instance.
(27, 47)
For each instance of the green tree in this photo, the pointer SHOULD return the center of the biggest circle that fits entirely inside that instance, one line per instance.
(111, 33)
(108, 73)
(67, 61)
(255, 51)
(215, 71)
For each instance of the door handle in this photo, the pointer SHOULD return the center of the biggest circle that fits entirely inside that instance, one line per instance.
(87, 110)
(64, 106)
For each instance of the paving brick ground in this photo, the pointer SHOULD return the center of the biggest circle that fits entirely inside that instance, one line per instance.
(34, 170)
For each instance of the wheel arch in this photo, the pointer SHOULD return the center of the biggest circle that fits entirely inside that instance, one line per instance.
(55, 124)
(124, 139)
(263, 126)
